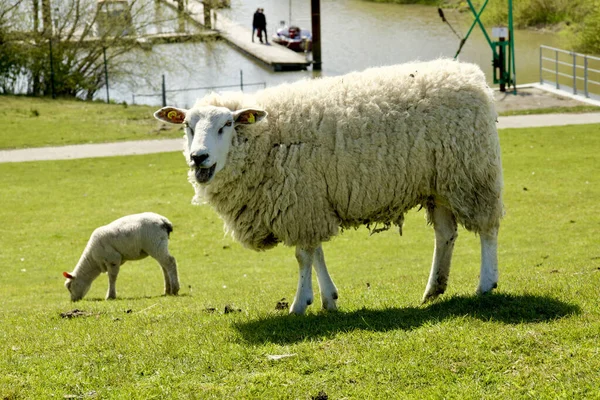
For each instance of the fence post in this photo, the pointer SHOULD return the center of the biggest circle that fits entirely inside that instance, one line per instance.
(541, 61)
(106, 74)
(574, 73)
(585, 76)
(164, 92)
(241, 80)
(556, 68)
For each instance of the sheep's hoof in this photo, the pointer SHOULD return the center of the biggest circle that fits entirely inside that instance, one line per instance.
(298, 308)
(432, 293)
(330, 304)
(484, 290)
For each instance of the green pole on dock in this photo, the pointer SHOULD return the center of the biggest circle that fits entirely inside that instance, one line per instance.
(315, 13)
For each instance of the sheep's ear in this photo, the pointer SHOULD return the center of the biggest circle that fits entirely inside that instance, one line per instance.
(68, 275)
(171, 115)
(248, 116)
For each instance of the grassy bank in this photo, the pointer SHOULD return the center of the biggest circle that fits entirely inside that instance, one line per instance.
(38, 122)
(536, 337)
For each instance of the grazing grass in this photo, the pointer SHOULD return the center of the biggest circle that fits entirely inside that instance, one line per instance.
(38, 122)
(536, 337)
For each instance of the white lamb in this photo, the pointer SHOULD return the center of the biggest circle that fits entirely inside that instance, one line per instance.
(132, 237)
(339, 152)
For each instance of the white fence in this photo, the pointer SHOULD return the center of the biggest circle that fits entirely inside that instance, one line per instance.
(573, 72)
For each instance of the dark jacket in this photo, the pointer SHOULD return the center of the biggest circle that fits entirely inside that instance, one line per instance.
(260, 21)
(255, 19)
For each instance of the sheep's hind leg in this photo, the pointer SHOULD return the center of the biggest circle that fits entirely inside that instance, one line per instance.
(444, 224)
(304, 292)
(329, 293)
(488, 275)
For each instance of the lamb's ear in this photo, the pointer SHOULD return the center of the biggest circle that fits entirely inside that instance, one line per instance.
(171, 115)
(68, 275)
(249, 116)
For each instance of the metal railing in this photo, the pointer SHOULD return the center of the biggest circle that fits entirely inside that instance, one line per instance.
(570, 71)
(164, 91)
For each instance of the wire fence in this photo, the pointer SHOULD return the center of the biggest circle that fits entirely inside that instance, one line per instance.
(163, 93)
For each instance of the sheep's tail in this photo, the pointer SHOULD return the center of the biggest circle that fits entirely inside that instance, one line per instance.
(167, 226)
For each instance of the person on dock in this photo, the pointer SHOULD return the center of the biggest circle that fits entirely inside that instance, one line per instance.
(262, 25)
(255, 22)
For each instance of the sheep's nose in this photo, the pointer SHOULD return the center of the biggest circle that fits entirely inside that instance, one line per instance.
(199, 158)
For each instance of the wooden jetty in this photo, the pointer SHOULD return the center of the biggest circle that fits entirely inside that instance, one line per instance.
(274, 55)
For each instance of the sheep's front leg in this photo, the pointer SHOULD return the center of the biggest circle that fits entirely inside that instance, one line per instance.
(304, 293)
(444, 224)
(329, 293)
(488, 275)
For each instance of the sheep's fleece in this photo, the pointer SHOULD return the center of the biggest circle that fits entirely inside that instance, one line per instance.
(357, 149)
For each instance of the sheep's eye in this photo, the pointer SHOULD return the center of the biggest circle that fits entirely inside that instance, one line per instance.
(228, 123)
(186, 125)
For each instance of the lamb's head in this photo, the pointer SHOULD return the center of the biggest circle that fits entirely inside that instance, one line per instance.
(76, 287)
(209, 132)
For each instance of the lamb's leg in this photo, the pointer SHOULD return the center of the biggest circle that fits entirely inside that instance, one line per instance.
(113, 266)
(168, 265)
(488, 275)
(444, 224)
(329, 293)
(304, 293)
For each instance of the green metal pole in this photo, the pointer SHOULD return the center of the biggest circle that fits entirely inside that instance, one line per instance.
(511, 41)
(473, 25)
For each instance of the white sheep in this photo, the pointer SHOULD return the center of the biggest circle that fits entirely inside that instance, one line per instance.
(132, 237)
(344, 151)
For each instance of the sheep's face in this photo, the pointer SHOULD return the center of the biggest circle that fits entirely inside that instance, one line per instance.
(209, 132)
(76, 287)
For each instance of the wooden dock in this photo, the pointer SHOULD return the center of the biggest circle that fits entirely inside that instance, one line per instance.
(278, 57)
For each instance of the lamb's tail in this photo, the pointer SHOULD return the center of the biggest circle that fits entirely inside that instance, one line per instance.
(167, 226)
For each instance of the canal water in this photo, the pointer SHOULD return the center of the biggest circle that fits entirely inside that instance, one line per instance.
(355, 35)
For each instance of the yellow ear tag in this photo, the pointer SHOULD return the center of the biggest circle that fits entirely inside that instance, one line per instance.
(251, 119)
(172, 114)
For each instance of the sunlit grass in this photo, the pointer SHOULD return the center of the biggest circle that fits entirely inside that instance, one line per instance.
(536, 337)
(39, 122)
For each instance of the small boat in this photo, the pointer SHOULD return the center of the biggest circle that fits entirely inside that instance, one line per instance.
(293, 38)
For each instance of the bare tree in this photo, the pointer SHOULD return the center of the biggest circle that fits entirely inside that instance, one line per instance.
(67, 55)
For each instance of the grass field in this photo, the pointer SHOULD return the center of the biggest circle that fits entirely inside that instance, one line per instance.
(537, 336)
(39, 122)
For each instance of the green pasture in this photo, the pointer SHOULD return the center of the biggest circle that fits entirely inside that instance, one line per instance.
(536, 337)
(39, 122)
